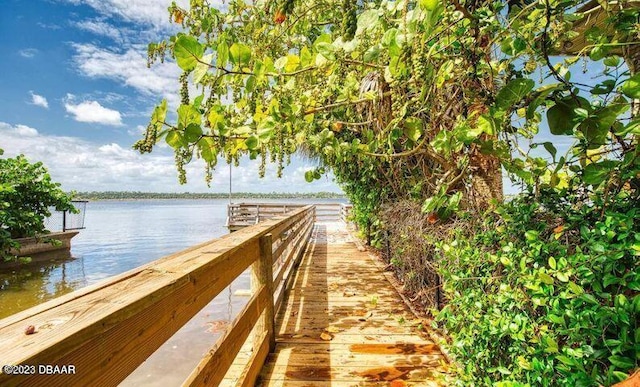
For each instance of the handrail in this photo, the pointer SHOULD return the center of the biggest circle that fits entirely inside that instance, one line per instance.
(245, 214)
(345, 212)
(107, 330)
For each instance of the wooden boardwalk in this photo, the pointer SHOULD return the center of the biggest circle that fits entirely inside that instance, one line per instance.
(344, 324)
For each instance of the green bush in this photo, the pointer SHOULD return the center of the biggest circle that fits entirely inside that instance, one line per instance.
(546, 293)
(26, 194)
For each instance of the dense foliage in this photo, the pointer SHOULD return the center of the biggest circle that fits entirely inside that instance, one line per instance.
(26, 195)
(546, 292)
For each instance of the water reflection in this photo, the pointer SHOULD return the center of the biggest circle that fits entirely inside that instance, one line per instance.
(34, 284)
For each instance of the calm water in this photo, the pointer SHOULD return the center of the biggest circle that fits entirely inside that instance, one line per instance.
(119, 236)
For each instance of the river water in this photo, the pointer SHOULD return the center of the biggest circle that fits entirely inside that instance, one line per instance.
(122, 235)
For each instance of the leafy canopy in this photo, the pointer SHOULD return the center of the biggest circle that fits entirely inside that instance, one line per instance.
(402, 99)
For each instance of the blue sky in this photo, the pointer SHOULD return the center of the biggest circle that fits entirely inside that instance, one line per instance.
(75, 93)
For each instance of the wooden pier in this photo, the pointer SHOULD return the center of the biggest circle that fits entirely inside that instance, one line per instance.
(240, 215)
(322, 314)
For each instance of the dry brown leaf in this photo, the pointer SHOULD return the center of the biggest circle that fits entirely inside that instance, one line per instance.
(333, 329)
(326, 336)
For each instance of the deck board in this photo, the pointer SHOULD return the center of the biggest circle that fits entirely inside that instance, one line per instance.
(344, 324)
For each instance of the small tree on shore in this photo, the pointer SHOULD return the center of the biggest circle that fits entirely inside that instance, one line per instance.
(26, 195)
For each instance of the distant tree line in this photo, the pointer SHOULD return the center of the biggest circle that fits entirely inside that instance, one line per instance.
(120, 195)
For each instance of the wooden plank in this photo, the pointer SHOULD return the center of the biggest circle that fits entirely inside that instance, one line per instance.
(342, 350)
(313, 372)
(251, 372)
(348, 359)
(214, 365)
(264, 268)
(288, 275)
(287, 261)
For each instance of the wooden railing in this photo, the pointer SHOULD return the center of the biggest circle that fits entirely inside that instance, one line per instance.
(241, 215)
(345, 212)
(107, 330)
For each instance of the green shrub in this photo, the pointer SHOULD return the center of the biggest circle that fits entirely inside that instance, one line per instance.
(26, 194)
(546, 293)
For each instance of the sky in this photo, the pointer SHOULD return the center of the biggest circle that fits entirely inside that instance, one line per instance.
(76, 94)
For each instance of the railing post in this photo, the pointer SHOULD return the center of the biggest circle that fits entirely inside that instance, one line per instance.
(262, 274)
(64, 220)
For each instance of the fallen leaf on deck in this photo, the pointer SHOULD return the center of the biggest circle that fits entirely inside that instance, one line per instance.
(325, 336)
(333, 329)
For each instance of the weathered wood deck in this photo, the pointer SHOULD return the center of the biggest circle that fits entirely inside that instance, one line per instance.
(345, 325)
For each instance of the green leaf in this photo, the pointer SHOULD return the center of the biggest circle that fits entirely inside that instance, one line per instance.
(429, 5)
(250, 83)
(562, 276)
(575, 288)
(596, 173)
(567, 360)
(562, 116)
(551, 345)
(531, 235)
(159, 113)
(413, 128)
(552, 263)
(631, 87)
(306, 58)
(202, 67)
(550, 148)
(632, 128)
(372, 53)
(252, 142)
(187, 51)
(558, 117)
(612, 61)
(486, 124)
(208, 149)
(308, 176)
(192, 133)
(367, 20)
(545, 278)
(513, 92)
(223, 54)
(240, 54)
(187, 115)
(327, 50)
(621, 362)
(175, 139)
(603, 87)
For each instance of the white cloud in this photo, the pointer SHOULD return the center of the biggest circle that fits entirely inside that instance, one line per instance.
(39, 100)
(28, 52)
(87, 166)
(129, 67)
(101, 28)
(92, 111)
(23, 130)
(153, 12)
